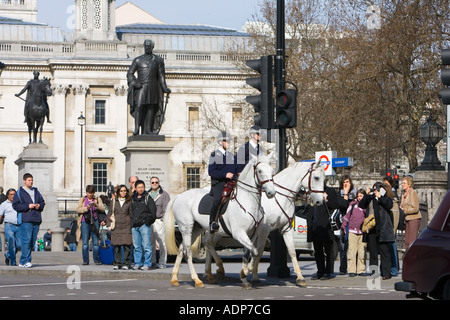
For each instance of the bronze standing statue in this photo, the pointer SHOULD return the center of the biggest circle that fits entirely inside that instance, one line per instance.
(146, 91)
(36, 106)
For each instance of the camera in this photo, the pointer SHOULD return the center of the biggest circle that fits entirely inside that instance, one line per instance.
(378, 187)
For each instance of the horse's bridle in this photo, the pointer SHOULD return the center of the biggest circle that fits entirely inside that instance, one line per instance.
(259, 192)
(310, 171)
(295, 195)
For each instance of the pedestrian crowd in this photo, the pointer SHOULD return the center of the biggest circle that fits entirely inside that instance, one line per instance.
(368, 221)
(131, 220)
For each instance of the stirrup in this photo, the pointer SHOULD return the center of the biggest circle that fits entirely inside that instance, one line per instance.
(214, 227)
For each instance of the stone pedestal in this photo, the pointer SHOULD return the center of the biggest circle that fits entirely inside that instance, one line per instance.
(38, 160)
(431, 187)
(147, 156)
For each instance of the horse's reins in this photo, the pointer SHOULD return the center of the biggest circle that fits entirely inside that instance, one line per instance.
(233, 196)
(295, 195)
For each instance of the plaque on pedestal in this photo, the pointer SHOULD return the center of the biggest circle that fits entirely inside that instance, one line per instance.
(37, 159)
(147, 156)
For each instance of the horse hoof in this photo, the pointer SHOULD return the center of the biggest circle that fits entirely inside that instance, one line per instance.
(174, 283)
(199, 284)
(220, 274)
(301, 283)
(211, 280)
(246, 286)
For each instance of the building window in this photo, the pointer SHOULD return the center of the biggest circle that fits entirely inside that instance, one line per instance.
(100, 112)
(100, 176)
(237, 118)
(194, 117)
(193, 177)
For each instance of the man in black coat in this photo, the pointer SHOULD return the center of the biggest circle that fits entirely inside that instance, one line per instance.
(321, 234)
(143, 215)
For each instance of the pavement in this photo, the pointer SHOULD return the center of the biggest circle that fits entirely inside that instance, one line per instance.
(62, 264)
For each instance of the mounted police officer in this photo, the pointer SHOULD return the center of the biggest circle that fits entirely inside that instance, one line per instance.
(250, 150)
(222, 169)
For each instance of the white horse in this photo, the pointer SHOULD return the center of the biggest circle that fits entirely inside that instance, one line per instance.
(280, 210)
(243, 217)
(279, 215)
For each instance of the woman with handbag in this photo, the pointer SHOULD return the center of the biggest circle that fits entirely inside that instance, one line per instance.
(89, 210)
(410, 206)
(118, 222)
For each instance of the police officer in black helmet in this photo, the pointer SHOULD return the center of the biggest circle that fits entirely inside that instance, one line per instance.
(250, 150)
(222, 168)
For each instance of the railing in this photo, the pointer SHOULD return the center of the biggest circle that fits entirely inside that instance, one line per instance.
(67, 206)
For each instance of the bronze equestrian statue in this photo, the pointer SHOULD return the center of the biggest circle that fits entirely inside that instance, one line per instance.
(36, 106)
(146, 91)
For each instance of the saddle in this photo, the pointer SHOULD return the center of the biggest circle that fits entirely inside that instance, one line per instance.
(204, 207)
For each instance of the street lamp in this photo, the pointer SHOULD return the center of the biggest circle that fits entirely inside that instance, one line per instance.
(81, 123)
(431, 133)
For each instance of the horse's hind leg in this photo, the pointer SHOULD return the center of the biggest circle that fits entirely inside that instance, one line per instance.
(194, 275)
(176, 268)
(187, 242)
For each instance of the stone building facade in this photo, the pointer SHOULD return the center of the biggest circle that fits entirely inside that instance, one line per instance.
(88, 74)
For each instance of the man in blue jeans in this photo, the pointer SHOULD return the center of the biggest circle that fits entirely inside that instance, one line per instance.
(143, 215)
(9, 216)
(29, 204)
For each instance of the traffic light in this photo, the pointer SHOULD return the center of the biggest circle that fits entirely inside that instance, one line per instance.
(263, 103)
(287, 108)
(396, 182)
(445, 77)
(392, 173)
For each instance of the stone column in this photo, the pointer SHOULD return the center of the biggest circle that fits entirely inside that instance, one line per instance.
(122, 127)
(59, 135)
(38, 160)
(431, 187)
(80, 92)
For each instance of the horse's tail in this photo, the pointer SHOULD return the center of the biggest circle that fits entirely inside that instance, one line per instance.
(169, 224)
(195, 248)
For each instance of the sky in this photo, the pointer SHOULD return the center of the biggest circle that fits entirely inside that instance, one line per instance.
(231, 14)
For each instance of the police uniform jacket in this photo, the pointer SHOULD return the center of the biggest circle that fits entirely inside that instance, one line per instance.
(220, 164)
(245, 153)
